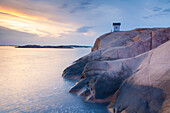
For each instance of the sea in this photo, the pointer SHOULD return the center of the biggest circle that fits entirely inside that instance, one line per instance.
(31, 81)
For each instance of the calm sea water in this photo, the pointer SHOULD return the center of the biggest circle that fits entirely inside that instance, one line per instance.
(30, 81)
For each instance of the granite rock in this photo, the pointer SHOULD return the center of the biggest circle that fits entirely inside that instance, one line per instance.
(129, 69)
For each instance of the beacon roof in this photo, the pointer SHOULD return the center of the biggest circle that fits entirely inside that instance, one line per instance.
(116, 24)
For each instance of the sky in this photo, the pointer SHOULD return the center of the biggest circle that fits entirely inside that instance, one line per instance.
(80, 22)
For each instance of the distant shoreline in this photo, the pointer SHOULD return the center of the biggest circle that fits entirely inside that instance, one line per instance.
(49, 46)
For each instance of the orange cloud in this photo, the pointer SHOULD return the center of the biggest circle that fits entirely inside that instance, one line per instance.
(16, 13)
(42, 26)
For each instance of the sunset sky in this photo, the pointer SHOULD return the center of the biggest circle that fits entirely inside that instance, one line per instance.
(60, 22)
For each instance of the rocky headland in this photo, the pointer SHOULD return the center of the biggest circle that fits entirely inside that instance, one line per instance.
(128, 69)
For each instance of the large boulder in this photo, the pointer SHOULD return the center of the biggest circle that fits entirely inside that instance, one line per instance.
(103, 78)
(133, 63)
(124, 38)
(147, 90)
(118, 45)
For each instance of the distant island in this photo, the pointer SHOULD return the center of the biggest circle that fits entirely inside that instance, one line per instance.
(60, 46)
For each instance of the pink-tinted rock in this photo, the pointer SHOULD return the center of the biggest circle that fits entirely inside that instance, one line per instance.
(147, 90)
(138, 59)
(118, 45)
(116, 39)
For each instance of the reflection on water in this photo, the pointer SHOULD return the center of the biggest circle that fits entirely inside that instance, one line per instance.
(30, 81)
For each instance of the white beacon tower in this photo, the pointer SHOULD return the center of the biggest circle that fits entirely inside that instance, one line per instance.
(116, 27)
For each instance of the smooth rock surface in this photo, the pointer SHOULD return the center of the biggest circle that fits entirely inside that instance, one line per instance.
(148, 90)
(130, 69)
(118, 45)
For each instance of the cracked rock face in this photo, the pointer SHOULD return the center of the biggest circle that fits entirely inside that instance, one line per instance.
(130, 69)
